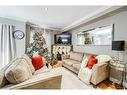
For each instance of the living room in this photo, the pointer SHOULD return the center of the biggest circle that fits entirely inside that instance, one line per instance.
(85, 49)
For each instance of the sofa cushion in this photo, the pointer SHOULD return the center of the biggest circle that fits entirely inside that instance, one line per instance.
(70, 62)
(76, 56)
(77, 66)
(3, 80)
(18, 72)
(42, 70)
(29, 62)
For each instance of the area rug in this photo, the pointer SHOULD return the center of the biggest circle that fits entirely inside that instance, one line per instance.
(107, 84)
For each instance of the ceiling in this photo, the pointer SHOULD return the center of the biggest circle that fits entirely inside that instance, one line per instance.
(54, 17)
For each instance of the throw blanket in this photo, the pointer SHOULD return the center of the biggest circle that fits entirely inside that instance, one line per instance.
(85, 75)
(84, 72)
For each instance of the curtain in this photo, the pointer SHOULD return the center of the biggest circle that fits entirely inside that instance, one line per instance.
(28, 33)
(7, 44)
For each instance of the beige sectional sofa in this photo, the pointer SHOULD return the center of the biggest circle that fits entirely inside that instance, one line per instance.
(20, 74)
(73, 62)
(42, 79)
(100, 72)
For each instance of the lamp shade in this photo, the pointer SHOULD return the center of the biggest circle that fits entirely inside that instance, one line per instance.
(118, 45)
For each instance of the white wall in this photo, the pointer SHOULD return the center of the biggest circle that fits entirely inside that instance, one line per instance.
(120, 33)
(52, 36)
(49, 37)
(20, 44)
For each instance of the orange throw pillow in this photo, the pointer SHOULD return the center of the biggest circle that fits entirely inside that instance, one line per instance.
(38, 62)
(91, 61)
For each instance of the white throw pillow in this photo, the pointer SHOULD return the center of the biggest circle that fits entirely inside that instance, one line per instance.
(103, 58)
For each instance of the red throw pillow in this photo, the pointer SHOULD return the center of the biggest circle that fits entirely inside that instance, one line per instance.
(38, 62)
(91, 61)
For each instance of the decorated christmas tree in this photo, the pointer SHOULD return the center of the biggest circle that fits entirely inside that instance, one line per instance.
(38, 46)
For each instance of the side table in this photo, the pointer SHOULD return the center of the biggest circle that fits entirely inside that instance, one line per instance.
(121, 66)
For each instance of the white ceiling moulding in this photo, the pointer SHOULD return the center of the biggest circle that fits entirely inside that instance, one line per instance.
(43, 26)
(100, 12)
(55, 29)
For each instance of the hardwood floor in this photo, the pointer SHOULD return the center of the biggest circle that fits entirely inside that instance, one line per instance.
(107, 84)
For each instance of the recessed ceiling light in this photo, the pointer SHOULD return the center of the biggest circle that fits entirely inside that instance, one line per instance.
(46, 9)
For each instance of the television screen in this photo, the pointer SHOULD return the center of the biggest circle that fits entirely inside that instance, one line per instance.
(63, 39)
(118, 45)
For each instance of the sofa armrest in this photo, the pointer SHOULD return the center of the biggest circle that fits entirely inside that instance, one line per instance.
(99, 73)
(65, 57)
(45, 82)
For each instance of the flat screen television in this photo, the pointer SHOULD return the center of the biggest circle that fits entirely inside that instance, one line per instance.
(63, 38)
(118, 45)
